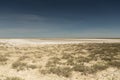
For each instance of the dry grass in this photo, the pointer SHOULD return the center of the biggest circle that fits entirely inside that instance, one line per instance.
(107, 54)
(3, 59)
(63, 59)
(19, 66)
(13, 78)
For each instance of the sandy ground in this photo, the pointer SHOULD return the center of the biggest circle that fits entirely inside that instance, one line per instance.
(56, 41)
(7, 71)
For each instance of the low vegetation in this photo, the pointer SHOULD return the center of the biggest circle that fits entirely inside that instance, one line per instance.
(13, 78)
(63, 60)
(19, 66)
(3, 59)
(103, 56)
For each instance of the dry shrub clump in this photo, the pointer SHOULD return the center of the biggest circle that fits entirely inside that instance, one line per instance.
(13, 78)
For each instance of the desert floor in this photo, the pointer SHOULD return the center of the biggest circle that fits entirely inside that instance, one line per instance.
(59, 59)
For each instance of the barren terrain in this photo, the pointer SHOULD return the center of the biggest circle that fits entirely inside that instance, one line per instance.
(59, 59)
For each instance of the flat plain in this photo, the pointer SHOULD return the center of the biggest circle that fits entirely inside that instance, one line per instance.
(59, 59)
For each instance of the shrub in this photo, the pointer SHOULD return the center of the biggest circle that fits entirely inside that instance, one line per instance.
(60, 71)
(97, 67)
(13, 78)
(32, 66)
(3, 58)
(19, 65)
(80, 68)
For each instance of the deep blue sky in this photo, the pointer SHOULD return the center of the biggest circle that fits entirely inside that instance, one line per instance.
(59, 18)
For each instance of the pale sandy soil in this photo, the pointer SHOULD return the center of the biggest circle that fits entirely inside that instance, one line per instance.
(56, 41)
(39, 52)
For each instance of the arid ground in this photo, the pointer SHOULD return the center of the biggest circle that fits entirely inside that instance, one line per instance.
(59, 59)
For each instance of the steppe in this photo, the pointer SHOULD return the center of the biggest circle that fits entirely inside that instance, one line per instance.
(59, 59)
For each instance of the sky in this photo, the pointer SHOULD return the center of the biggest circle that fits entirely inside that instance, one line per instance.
(59, 18)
